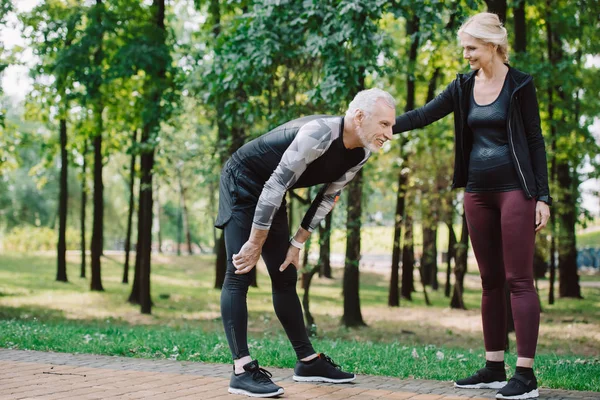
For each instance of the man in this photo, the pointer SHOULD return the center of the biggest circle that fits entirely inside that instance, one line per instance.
(301, 153)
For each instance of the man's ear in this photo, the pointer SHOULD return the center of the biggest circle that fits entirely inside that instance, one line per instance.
(359, 117)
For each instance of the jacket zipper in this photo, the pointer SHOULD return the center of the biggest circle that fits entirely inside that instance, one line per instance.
(512, 143)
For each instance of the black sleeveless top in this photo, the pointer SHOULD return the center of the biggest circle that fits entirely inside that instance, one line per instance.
(491, 168)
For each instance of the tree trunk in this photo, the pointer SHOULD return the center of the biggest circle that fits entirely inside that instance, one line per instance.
(561, 172)
(520, 22)
(131, 206)
(221, 253)
(311, 327)
(567, 249)
(412, 29)
(427, 302)
(408, 255)
(98, 222)
(158, 217)
(497, 7)
(145, 214)
(394, 295)
(460, 268)
(451, 252)
(97, 225)
(325, 248)
(186, 224)
(61, 271)
(84, 193)
(352, 314)
(429, 258)
(142, 229)
(552, 259)
(553, 139)
(151, 127)
(179, 227)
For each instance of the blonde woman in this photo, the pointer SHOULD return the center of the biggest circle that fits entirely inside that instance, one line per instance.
(500, 160)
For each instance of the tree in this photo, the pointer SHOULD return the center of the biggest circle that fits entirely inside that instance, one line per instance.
(412, 30)
(131, 205)
(324, 262)
(570, 140)
(147, 50)
(460, 268)
(352, 315)
(155, 86)
(54, 41)
(84, 193)
(96, 31)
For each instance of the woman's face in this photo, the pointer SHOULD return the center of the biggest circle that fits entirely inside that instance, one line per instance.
(478, 53)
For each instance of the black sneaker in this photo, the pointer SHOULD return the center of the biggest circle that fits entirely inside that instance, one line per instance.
(255, 382)
(485, 378)
(519, 387)
(321, 369)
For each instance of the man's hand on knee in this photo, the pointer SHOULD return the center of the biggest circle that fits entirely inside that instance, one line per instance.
(292, 257)
(247, 257)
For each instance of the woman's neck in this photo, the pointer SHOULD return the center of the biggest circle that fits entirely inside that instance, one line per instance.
(495, 70)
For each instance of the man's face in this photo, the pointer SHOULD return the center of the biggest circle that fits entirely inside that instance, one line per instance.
(375, 129)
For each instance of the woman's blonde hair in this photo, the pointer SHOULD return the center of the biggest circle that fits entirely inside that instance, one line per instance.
(488, 28)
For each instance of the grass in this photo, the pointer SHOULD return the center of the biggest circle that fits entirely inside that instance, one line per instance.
(589, 239)
(38, 313)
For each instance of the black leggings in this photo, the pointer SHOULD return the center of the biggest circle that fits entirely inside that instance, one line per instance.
(502, 230)
(234, 310)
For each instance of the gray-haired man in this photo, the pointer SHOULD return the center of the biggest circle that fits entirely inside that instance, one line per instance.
(304, 152)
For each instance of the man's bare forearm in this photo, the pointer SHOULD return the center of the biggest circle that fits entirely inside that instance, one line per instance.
(301, 235)
(258, 236)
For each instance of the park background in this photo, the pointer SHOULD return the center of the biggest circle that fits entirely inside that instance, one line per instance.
(115, 120)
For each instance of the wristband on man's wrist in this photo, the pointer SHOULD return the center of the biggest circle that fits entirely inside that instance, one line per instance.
(296, 243)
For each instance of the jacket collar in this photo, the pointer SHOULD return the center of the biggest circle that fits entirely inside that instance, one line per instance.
(518, 78)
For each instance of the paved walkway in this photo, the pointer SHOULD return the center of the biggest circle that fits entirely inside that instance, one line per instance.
(41, 375)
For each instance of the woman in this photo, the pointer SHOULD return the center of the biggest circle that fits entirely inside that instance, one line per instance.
(500, 159)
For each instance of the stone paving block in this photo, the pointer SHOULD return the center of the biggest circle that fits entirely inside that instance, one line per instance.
(427, 397)
(50, 376)
(400, 395)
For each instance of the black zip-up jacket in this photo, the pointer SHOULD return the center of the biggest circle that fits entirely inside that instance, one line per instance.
(525, 138)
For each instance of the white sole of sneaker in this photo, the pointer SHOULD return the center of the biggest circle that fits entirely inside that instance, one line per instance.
(488, 385)
(321, 379)
(529, 395)
(250, 394)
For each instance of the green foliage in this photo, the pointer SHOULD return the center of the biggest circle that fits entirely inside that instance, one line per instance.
(28, 238)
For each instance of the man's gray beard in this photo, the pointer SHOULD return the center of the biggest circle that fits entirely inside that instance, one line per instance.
(369, 146)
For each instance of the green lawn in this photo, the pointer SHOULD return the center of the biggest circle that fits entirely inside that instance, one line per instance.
(588, 239)
(414, 340)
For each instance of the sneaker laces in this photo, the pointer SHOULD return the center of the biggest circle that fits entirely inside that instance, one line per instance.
(262, 375)
(328, 360)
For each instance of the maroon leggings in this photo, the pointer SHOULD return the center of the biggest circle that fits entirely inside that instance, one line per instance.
(502, 230)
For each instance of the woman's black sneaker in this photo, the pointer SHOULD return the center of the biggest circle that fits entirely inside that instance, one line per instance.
(321, 369)
(485, 378)
(519, 387)
(254, 382)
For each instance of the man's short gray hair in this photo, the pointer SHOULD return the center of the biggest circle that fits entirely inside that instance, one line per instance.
(366, 100)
